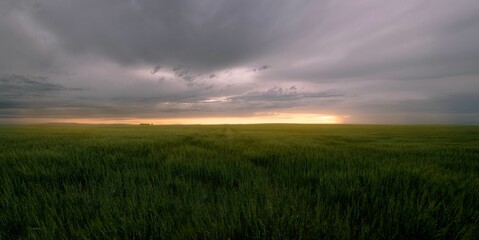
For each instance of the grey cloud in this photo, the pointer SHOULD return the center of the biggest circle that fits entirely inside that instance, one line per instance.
(262, 68)
(23, 47)
(460, 103)
(155, 69)
(401, 40)
(189, 102)
(406, 57)
(33, 96)
(6, 104)
(273, 98)
(444, 109)
(202, 34)
(287, 94)
(184, 74)
(17, 85)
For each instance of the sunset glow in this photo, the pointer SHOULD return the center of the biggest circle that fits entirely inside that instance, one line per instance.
(260, 119)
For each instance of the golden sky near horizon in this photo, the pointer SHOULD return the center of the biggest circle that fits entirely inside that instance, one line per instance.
(299, 118)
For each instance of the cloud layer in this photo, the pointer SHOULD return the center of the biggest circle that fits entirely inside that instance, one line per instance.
(374, 61)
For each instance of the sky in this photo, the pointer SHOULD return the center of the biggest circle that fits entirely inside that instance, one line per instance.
(249, 61)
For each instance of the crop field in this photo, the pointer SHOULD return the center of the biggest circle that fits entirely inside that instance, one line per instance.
(239, 182)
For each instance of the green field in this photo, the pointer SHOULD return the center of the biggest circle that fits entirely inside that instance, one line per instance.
(239, 182)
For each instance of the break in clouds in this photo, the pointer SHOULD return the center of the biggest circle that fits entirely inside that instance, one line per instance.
(374, 61)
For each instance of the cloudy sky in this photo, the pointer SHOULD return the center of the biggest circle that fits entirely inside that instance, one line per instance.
(229, 61)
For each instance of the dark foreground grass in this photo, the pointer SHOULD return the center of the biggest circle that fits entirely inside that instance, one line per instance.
(239, 182)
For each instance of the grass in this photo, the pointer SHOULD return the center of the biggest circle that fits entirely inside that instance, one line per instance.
(239, 182)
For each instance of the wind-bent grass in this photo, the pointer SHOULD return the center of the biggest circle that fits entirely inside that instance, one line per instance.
(239, 182)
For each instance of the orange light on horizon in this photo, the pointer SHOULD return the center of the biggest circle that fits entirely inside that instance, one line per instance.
(299, 118)
(277, 118)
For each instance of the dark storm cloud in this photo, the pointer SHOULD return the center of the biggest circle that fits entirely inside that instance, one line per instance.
(32, 96)
(207, 34)
(17, 85)
(147, 58)
(407, 40)
(21, 46)
(5, 104)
